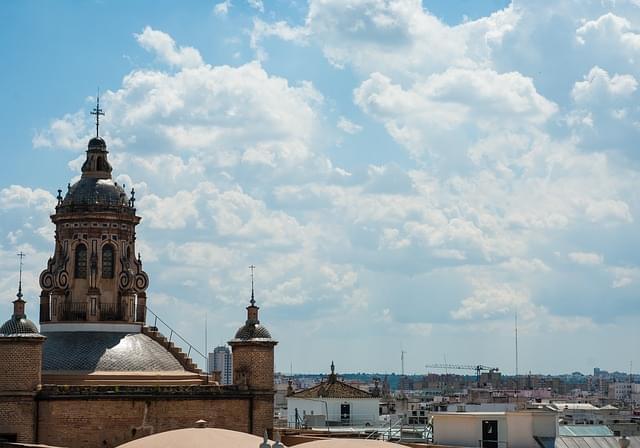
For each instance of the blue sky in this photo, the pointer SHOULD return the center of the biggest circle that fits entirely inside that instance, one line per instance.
(405, 174)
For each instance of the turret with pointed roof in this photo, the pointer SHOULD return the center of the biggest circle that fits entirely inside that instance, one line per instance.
(253, 361)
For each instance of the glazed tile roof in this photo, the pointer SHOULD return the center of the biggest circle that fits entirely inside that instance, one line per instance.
(18, 325)
(105, 351)
(332, 389)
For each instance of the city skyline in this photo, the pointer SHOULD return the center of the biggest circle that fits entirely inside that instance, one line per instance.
(405, 175)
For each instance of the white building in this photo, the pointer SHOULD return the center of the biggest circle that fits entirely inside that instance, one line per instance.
(221, 361)
(520, 429)
(620, 391)
(332, 402)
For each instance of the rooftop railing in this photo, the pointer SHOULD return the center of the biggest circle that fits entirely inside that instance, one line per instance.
(174, 335)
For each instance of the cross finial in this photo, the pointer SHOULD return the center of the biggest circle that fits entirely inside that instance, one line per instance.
(97, 112)
(253, 300)
(21, 255)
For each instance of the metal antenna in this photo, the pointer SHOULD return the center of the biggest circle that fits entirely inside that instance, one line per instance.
(253, 300)
(97, 112)
(516, 332)
(21, 255)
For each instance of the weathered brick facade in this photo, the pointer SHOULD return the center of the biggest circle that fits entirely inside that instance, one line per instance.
(20, 367)
(254, 361)
(108, 416)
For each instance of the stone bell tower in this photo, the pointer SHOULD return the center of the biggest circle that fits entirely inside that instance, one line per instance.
(94, 274)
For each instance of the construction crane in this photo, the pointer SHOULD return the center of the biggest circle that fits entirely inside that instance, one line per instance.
(479, 368)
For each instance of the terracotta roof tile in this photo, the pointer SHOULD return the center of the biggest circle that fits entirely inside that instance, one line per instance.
(332, 389)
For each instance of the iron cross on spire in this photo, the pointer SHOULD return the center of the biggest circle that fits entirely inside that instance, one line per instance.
(97, 112)
(253, 300)
(21, 255)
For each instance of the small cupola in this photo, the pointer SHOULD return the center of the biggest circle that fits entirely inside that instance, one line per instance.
(252, 329)
(97, 165)
(19, 324)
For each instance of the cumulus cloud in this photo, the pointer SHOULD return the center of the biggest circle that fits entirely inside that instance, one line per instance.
(491, 300)
(228, 114)
(18, 196)
(68, 132)
(231, 166)
(609, 27)
(598, 86)
(166, 49)
(400, 36)
(428, 115)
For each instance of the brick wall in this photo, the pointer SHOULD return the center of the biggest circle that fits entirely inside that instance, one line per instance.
(263, 415)
(255, 361)
(20, 363)
(17, 416)
(78, 423)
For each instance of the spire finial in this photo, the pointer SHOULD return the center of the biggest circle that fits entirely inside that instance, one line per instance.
(21, 255)
(97, 112)
(253, 300)
(333, 368)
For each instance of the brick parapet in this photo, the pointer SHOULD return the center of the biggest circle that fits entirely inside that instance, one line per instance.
(65, 392)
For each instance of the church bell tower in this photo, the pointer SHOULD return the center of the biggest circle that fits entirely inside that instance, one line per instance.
(94, 274)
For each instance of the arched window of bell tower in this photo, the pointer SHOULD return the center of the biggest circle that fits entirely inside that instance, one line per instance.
(107, 261)
(81, 261)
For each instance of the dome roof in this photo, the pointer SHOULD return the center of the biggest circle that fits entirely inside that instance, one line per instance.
(252, 331)
(97, 143)
(347, 443)
(197, 438)
(18, 325)
(82, 351)
(94, 191)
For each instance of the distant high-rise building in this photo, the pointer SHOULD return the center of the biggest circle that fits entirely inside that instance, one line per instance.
(220, 361)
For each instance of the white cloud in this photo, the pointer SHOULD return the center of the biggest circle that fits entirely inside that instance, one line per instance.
(610, 28)
(226, 114)
(69, 132)
(166, 49)
(200, 254)
(525, 266)
(586, 258)
(232, 168)
(624, 276)
(610, 209)
(491, 299)
(257, 4)
(281, 29)
(222, 8)
(598, 86)
(348, 126)
(429, 115)
(400, 36)
(172, 212)
(17, 196)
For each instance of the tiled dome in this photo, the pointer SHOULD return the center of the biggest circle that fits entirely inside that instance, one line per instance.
(18, 325)
(252, 331)
(94, 191)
